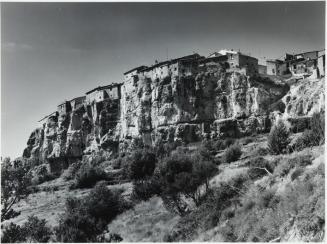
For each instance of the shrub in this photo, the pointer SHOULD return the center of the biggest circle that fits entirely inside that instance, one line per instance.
(86, 218)
(259, 167)
(299, 124)
(41, 174)
(36, 230)
(87, 176)
(285, 166)
(278, 138)
(142, 164)
(15, 180)
(233, 153)
(72, 170)
(261, 151)
(223, 144)
(304, 141)
(13, 233)
(318, 128)
(183, 174)
(296, 173)
(143, 190)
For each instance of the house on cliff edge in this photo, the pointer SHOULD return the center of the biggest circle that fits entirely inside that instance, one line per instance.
(238, 60)
(101, 93)
(306, 63)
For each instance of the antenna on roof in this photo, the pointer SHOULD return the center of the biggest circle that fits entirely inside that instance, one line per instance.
(167, 53)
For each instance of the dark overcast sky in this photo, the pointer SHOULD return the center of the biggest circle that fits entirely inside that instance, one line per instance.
(56, 51)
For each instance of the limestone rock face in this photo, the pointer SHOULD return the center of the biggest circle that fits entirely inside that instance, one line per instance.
(174, 107)
(305, 97)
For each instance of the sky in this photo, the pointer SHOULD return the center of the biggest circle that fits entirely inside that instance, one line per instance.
(51, 52)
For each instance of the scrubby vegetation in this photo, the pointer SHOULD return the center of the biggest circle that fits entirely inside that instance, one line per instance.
(183, 174)
(34, 230)
(85, 219)
(232, 153)
(278, 138)
(276, 194)
(88, 175)
(311, 137)
(15, 180)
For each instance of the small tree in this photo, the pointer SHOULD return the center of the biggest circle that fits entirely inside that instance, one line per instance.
(36, 230)
(232, 153)
(15, 179)
(278, 138)
(183, 175)
(142, 164)
(13, 233)
(85, 219)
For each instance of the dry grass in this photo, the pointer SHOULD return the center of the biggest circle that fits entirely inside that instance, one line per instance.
(49, 205)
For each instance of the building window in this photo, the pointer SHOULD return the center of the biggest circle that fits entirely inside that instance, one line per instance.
(273, 71)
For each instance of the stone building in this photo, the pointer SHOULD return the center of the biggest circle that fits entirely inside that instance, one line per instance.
(64, 107)
(276, 67)
(133, 72)
(303, 63)
(183, 66)
(236, 59)
(77, 101)
(321, 63)
(262, 69)
(101, 93)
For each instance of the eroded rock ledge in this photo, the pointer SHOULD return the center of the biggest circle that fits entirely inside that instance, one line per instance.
(210, 103)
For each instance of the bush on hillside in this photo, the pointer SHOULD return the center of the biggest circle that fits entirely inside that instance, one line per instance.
(232, 153)
(72, 170)
(299, 124)
(34, 230)
(259, 167)
(163, 149)
(304, 141)
(15, 180)
(318, 128)
(142, 164)
(284, 166)
(143, 190)
(182, 174)
(13, 233)
(278, 138)
(41, 174)
(85, 219)
(87, 176)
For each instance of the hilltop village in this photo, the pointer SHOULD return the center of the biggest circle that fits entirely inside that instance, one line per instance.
(180, 100)
(192, 149)
(307, 64)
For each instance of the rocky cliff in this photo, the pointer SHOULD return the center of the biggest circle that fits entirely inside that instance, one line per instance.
(210, 103)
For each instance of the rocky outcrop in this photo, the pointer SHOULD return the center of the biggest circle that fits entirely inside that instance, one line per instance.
(305, 97)
(186, 108)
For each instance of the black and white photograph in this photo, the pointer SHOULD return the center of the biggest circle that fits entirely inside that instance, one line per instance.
(163, 121)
